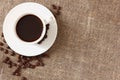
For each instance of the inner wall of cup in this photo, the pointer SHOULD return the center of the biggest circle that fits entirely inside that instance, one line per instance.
(42, 34)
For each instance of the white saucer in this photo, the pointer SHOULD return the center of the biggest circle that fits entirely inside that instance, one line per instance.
(29, 49)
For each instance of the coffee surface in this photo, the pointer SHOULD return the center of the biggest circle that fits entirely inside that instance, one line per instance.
(29, 28)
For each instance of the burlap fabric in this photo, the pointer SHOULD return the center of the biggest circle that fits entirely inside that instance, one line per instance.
(87, 45)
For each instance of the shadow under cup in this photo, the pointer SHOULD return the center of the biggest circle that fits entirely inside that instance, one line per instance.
(29, 28)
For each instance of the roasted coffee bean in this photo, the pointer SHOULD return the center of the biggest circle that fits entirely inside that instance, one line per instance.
(45, 55)
(17, 72)
(8, 47)
(54, 6)
(24, 78)
(23, 66)
(32, 66)
(56, 9)
(24, 57)
(1, 44)
(42, 64)
(10, 64)
(58, 12)
(14, 64)
(27, 65)
(59, 7)
(6, 52)
(1, 49)
(19, 58)
(6, 59)
(39, 58)
(39, 63)
(2, 35)
(13, 53)
(28, 58)
(4, 41)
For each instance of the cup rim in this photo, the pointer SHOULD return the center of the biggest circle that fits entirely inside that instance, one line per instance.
(43, 31)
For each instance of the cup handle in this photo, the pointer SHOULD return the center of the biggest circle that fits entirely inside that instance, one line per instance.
(47, 21)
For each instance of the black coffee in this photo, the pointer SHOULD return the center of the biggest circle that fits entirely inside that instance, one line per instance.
(29, 28)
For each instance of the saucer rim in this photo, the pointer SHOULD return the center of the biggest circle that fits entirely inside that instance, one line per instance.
(55, 24)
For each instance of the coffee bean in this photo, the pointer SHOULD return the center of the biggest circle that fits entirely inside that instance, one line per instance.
(38, 58)
(14, 64)
(54, 6)
(28, 58)
(1, 44)
(39, 63)
(10, 64)
(56, 9)
(45, 55)
(6, 59)
(23, 66)
(24, 57)
(17, 72)
(24, 78)
(8, 47)
(19, 58)
(59, 7)
(13, 53)
(2, 35)
(58, 12)
(42, 64)
(1, 49)
(6, 52)
(4, 41)
(32, 66)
